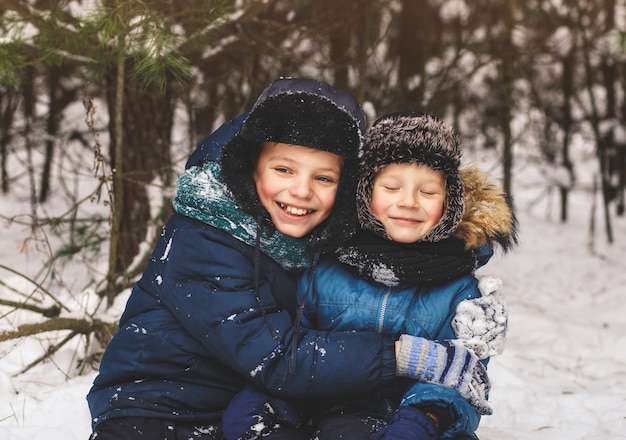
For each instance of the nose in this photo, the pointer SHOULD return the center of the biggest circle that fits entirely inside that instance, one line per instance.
(408, 199)
(301, 188)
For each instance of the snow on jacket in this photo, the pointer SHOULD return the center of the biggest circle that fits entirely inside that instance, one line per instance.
(338, 299)
(213, 310)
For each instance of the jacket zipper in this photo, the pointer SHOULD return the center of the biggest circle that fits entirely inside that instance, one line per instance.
(383, 309)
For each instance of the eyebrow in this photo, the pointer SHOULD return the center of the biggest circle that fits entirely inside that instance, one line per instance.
(284, 158)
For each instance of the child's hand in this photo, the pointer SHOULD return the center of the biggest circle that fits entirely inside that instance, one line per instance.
(408, 423)
(445, 363)
(253, 414)
(481, 324)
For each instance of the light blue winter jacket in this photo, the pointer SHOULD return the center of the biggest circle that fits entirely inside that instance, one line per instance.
(336, 300)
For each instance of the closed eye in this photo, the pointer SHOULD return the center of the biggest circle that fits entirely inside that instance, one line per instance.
(430, 193)
(326, 179)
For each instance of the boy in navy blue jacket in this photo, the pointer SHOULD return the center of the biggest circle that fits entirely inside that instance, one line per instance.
(214, 308)
(424, 225)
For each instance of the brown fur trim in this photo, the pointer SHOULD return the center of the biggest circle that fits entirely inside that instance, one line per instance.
(487, 218)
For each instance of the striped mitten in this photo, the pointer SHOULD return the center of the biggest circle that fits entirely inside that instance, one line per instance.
(443, 363)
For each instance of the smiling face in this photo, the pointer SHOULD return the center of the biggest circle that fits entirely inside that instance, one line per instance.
(297, 186)
(408, 199)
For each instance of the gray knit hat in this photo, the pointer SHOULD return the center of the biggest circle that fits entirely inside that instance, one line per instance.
(303, 112)
(418, 138)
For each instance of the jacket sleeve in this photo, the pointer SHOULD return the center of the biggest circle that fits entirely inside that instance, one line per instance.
(208, 284)
(465, 419)
(307, 300)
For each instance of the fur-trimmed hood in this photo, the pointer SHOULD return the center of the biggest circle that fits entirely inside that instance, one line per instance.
(487, 217)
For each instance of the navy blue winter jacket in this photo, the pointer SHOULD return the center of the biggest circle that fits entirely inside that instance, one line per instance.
(211, 313)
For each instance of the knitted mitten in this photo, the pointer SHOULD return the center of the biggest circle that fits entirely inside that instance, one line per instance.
(447, 364)
(481, 324)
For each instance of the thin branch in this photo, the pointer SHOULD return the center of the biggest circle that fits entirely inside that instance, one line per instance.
(39, 286)
(77, 326)
(51, 350)
(48, 312)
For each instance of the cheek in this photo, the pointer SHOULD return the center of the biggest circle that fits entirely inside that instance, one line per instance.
(327, 199)
(263, 188)
(436, 211)
(377, 206)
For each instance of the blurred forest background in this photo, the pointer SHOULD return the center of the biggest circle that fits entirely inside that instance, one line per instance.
(102, 101)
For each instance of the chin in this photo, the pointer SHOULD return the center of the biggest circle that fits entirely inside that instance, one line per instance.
(406, 240)
(293, 232)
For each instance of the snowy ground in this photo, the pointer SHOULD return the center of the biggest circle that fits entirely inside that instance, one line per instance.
(562, 375)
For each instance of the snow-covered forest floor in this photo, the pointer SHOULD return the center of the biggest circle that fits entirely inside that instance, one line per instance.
(562, 375)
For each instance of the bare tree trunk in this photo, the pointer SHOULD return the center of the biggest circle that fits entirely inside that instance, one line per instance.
(413, 51)
(567, 86)
(140, 135)
(54, 117)
(365, 33)
(340, 52)
(116, 261)
(8, 107)
(28, 91)
(595, 125)
(507, 59)
(147, 126)
(59, 98)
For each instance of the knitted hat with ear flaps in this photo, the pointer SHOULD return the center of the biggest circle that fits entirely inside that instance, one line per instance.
(302, 112)
(412, 138)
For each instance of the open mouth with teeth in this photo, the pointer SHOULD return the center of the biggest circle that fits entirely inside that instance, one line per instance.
(295, 211)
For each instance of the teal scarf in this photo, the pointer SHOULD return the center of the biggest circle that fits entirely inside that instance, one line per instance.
(202, 194)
